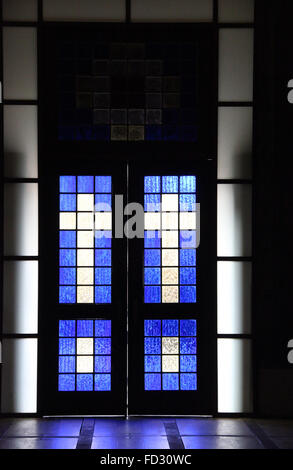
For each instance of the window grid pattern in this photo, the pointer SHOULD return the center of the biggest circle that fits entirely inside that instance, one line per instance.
(84, 355)
(170, 239)
(170, 359)
(85, 239)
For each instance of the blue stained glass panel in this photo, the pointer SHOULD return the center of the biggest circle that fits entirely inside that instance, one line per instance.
(67, 202)
(152, 276)
(152, 202)
(103, 294)
(152, 294)
(102, 382)
(103, 202)
(187, 202)
(67, 276)
(170, 381)
(67, 346)
(103, 328)
(66, 383)
(153, 132)
(152, 327)
(187, 345)
(152, 382)
(187, 239)
(187, 184)
(103, 239)
(103, 257)
(170, 327)
(152, 239)
(152, 345)
(67, 239)
(188, 363)
(67, 328)
(85, 328)
(152, 257)
(187, 327)
(103, 276)
(103, 364)
(84, 382)
(67, 294)
(187, 276)
(103, 184)
(152, 363)
(187, 257)
(103, 346)
(67, 184)
(85, 184)
(66, 364)
(67, 257)
(170, 184)
(188, 382)
(187, 294)
(152, 184)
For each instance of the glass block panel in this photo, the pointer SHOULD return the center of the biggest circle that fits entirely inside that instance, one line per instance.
(103, 364)
(152, 239)
(170, 327)
(152, 327)
(84, 382)
(170, 276)
(103, 328)
(152, 382)
(170, 202)
(152, 276)
(152, 363)
(152, 221)
(67, 239)
(170, 363)
(234, 11)
(19, 10)
(188, 221)
(103, 184)
(103, 294)
(152, 345)
(84, 364)
(170, 382)
(152, 202)
(167, 10)
(169, 239)
(67, 221)
(152, 184)
(152, 294)
(170, 345)
(102, 382)
(87, 10)
(170, 294)
(188, 363)
(188, 381)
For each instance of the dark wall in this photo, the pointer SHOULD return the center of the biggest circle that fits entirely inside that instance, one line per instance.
(273, 171)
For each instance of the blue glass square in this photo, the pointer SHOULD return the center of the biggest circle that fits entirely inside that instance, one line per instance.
(152, 327)
(170, 328)
(187, 184)
(103, 328)
(152, 184)
(102, 257)
(103, 294)
(67, 184)
(103, 184)
(66, 345)
(152, 202)
(188, 345)
(152, 276)
(85, 184)
(102, 363)
(152, 382)
(103, 346)
(66, 382)
(152, 295)
(152, 345)
(188, 382)
(67, 328)
(67, 239)
(152, 239)
(187, 327)
(84, 382)
(187, 363)
(170, 381)
(66, 364)
(152, 363)
(101, 133)
(67, 295)
(187, 275)
(187, 202)
(67, 257)
(170, 184)
(103, 276)
(68, 202)
(67, 276)
(102, 382)
(171, 133)
(103, 238)
(187, 294)
(187, 257)
(103, 202)
(152, 257)
(153, 133)
(85, 328)
(187, 239)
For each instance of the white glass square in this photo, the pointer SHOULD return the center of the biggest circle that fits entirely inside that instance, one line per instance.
(85, 276)
(85, 257)
(170, 221)
(170, 202)
(170, 294)
(170, 276)
(85, 364)
(152, 221)
(103, 220)
(169, 257)
(85, 294)
(170, 345)
(85, 202)
(85, 346)
(67, 221)
(170, 363)
(85, 220)
(170, 239)
(85, 239)
(187, 220)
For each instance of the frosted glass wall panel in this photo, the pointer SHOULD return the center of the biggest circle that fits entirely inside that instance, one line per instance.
(21, 219)
(85, 10)
(20, 312)
(231, 11)
(236, 64)
(234, 376)
(20, 63)
(19, 376)
(234, 142)
(21, 141)
(20, 10)
(234, 220)
(170, 10)
(234, 297)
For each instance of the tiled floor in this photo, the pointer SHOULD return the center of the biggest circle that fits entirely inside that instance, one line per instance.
(145, 433)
